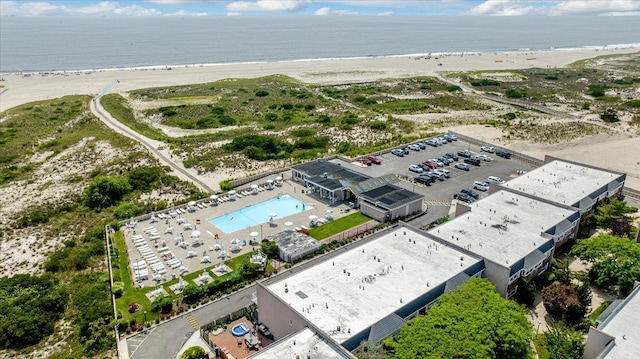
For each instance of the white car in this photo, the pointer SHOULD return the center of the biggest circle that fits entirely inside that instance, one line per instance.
(484, 158)
(487, 149)
(481, 186)
(414, 147)
(495, 180)
(416, 169)
(444, 172)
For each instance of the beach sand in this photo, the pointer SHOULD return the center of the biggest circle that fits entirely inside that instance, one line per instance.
(20, 89)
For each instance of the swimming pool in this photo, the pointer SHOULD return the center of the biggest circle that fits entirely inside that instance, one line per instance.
(283, 205)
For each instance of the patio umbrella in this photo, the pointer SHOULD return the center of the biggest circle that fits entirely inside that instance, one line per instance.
(273, 214)
(235, 241)
(288, 224)
(313, 217)
(192, 203)
(195, 234)
(254, 234)
(254, 186)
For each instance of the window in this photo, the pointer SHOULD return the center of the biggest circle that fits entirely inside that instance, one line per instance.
(291, 322)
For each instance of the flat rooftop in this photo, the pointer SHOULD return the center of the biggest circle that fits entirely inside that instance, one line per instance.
(390, 196)
(623, 325)
(562, 182)
(363, 285)
(299, 345)
(503, 227)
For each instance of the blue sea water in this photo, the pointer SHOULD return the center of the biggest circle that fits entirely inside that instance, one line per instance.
(60, 43)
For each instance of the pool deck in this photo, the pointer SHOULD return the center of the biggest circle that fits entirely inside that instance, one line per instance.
(194, 263)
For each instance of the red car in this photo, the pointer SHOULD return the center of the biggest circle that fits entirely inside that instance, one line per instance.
(365, 161)
(430, 164)
(374, 159)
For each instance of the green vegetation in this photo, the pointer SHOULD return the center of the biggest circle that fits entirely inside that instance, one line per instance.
(194, 352)
(484, 82)
(29, 308)
(270, 249)
(472, 321)
(338, 225)
(567, 301)
(118, 107)
(563, 342)
(593, 317)
(616, 261)
(104, 192)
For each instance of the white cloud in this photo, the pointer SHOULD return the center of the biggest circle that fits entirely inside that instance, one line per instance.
(233, 13)
(385, 13)
(323, 11)
(187, 13)
(596, 7)
(104, 8)
(503, 8)
(267, 5)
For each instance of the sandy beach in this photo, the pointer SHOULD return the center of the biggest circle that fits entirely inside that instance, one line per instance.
(20, 89)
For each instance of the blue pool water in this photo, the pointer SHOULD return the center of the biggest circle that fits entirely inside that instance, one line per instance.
(258, 213)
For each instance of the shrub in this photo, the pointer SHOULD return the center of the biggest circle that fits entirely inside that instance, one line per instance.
(118, 289)
(193, 353)
(106, 191)
(596, 90)
(378, 125)
(262, 93)
(512, 93)
(454, 88)
(270, 116)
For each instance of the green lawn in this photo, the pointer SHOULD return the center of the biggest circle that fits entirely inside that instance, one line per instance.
(339, 225)
(596, 313)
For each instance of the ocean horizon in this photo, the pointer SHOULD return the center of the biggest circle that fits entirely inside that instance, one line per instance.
(54, 44)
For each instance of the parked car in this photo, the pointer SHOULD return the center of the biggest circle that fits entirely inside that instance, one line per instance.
(365, 161)
(442, 140)
(398, 152)
(414, 147)
(452, 137)
(470, 192)
(430, 164)
(446, 173)
(446, 160)
(481, 186)
(503, 154)
(464, 153)
(484, 158)
(464, 197)
(438, 175)
(416, 169)
(495, 180)
(472, 161)
(426, 180)
(406, 150)
(424, 167)
(421, 145)
(451, 155)
(374, 159)
(432, 143)
(462, 166)
(486, 149)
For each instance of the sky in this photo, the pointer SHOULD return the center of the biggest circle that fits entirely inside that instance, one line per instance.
(320, 8)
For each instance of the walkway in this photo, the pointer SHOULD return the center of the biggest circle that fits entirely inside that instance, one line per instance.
(523, 104)
(152, 145)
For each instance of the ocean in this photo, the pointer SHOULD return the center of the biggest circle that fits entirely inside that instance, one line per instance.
(43, 44)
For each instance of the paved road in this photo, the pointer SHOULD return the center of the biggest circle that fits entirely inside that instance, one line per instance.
(166, 339)
(152, 145)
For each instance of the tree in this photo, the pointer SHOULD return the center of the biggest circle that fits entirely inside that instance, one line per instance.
(192, 293)
(616, 261)
(270, 248)
(370, 350)
(614, 210)
(106, 191)
(472, 321)
(162, 303)
(193, 353)
(562, 342)
(127, 210)
(562, 302)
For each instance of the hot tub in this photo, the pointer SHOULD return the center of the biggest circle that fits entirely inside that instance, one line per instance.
(239, 330)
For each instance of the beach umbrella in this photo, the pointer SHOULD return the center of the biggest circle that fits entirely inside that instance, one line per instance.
(329, 211)
(192, 203)
(195, 234)
(313, 217)
(254, 234)
(273, 214)
(288, 224)
(213, 197)
(254, 186)
(235, 241)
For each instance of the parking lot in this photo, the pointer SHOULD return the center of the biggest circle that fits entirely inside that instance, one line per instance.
(441, 192)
